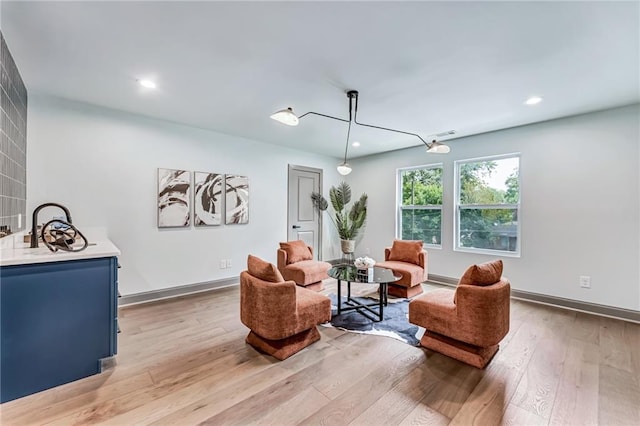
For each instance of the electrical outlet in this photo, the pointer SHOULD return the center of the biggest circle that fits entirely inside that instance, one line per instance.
(367, 251)
(585, 281)
(223, 264)
(228, 263)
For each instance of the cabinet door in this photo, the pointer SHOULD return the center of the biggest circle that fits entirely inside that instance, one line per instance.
(113, 312)
(57, 323)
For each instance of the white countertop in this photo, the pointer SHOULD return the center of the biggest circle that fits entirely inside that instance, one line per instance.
(26, 255)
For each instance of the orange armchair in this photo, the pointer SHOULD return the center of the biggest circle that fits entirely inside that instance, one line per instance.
(282, 317)
(466, 324)
(295, 263)
(409, 260)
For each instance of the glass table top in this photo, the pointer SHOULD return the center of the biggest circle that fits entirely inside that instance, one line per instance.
(373, 275)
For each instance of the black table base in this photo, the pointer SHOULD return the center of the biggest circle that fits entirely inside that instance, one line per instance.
(365, 309)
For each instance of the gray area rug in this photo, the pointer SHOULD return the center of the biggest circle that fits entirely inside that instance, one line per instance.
(395, 323)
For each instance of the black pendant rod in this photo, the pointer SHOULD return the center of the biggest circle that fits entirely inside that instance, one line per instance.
(346, 147)
(353, 117)
(327, 116)
(354, 94)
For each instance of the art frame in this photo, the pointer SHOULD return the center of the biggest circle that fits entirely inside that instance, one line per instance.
(207, 198)
(174, 198)
(236, 199)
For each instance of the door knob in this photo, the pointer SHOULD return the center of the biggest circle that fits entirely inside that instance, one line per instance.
(296, 227)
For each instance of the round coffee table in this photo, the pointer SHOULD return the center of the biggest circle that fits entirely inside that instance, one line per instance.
(376, 276)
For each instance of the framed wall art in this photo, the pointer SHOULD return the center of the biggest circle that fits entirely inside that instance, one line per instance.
(237, 199)
(207, 198)
(174, 194)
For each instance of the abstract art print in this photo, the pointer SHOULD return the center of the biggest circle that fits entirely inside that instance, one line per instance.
(237, 199)
(174, 192)
(207, 200)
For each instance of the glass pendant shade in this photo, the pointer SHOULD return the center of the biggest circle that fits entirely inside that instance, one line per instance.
(285, 116)
(438, 148)
(344, 169)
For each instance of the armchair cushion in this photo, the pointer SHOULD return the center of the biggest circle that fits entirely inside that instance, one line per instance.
(435, 309)
(410, 273)
(406, 251)
(264, 270)
(306, 271)
(296, 251)
(483, 274)
(312, 308)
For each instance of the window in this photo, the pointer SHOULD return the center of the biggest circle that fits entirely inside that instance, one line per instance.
(488, 205)
(420, 204)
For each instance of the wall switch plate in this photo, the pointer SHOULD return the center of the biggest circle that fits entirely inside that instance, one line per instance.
(228, 263)
(585, 281)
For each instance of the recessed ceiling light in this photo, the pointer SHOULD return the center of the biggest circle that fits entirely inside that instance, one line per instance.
(147, 83)
(533, 100)
(355, 144)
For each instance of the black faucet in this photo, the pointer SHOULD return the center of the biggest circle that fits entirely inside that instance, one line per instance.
(34, 220)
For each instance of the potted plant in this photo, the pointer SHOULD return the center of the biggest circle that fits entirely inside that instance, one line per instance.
(348, 221)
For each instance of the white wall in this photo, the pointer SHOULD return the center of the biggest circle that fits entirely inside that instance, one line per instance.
(102, 164)
(580, 206)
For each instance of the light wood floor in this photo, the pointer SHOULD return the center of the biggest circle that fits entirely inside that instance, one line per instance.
(184, 361)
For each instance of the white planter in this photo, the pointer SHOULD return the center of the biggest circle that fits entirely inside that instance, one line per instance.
(348, 246)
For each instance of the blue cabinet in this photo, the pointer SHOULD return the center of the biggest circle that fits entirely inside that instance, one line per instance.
(59, 320)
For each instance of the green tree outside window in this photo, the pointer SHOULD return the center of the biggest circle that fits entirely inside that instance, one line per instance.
(493, 225)
(421, 207)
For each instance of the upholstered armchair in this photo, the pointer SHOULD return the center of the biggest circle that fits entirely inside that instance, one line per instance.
(407, 259)
(282, 316)
(466, 324)
(295, 263)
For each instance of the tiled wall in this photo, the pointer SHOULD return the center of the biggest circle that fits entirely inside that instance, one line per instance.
(13, 143)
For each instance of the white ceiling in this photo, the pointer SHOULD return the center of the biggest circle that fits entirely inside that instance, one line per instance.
(421, 67)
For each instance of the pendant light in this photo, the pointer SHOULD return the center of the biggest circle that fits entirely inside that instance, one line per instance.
(438, 148)
(344, 168)
(288, 117)
(285, 116)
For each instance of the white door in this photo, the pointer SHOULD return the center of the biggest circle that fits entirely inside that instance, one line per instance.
(304, 222)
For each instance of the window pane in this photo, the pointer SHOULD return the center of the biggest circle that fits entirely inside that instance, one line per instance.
(421, 187)
(489, 229)
(490, 182)
(422, 225)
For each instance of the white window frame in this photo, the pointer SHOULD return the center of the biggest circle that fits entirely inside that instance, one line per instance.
(458, 207)
(399, 206)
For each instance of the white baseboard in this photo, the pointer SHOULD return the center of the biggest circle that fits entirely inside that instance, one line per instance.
(167, 293)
